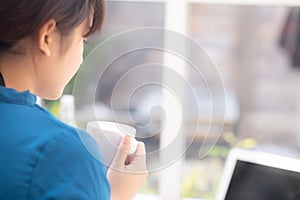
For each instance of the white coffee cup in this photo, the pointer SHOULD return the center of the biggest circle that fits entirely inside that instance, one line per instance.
(108, 136)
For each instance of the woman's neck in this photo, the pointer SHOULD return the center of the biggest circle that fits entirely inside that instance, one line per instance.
(15, 70)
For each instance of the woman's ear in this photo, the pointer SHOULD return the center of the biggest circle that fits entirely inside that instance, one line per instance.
(46, 37)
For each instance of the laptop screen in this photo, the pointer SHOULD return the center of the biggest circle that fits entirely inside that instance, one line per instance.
(251, 181)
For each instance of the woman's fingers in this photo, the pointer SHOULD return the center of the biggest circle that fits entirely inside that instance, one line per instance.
(140, 148)
(122, 153)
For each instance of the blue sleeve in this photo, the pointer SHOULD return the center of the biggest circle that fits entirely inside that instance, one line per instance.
(66, 169)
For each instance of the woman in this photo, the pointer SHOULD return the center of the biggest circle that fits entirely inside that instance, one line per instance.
(41, 46)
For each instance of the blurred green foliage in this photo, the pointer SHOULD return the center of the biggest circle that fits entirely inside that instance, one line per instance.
(199, 184)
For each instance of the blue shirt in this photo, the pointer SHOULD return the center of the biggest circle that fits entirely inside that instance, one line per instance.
(43, 158)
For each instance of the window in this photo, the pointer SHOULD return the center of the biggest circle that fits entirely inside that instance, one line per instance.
(242, 39)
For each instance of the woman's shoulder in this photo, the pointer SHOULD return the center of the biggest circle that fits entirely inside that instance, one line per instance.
(72, 155)
(75, 139)
(40, 128)
(59, 160)
(57, 130)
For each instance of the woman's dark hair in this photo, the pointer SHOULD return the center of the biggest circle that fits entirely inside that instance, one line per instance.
(20, 19)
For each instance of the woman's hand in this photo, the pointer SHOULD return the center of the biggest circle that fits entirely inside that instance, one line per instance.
(127, 174)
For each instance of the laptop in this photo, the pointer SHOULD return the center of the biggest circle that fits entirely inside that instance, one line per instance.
(253, 175)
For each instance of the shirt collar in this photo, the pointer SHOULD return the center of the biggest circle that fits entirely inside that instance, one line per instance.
(9, 95)
(1, 80)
